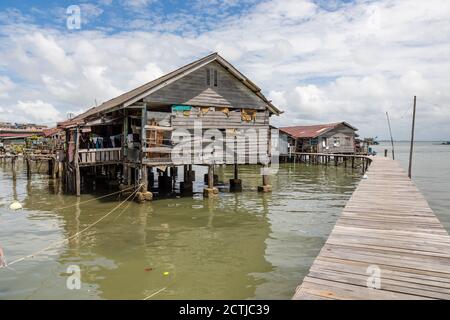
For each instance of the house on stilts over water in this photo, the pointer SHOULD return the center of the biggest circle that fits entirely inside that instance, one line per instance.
(338, 137)
(204, 113)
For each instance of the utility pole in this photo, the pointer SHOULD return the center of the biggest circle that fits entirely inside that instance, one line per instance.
(412, 138)
(390, 132)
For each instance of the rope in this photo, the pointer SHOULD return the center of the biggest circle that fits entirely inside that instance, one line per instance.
(77, 203)
(76, 234)
(155, 293)
(171, 281)
(101, 197)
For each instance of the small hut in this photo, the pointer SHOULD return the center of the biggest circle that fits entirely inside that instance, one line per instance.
(336, 137)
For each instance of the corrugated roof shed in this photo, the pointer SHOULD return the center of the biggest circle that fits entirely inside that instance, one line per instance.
(313, 131)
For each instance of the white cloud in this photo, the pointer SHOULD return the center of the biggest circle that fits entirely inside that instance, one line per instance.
(353, 62)
(6, 85)
(38, 111)
(137, 4)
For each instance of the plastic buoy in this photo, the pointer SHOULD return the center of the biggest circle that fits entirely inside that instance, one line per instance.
(15, 206)
(166, 273)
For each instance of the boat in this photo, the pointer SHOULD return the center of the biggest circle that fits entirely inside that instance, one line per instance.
(446, 143)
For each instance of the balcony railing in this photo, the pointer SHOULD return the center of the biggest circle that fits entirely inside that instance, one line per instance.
(99, 156)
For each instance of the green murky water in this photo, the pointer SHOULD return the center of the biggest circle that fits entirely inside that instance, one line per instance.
(238, 246)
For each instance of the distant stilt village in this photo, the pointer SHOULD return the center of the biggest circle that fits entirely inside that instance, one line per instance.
(205, 113)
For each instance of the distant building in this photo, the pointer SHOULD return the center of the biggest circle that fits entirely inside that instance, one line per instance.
(336, 137)
(16, 133)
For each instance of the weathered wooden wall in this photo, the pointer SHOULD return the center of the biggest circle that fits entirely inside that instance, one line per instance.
(346, 145)
(219, 120)
(192, 89)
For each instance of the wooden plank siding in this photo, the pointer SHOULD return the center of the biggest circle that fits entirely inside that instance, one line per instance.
(219, 120)
(192, 89)
(388, 224)
(346, 137)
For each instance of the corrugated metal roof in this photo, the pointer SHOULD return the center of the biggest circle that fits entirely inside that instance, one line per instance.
(313, 131)
(16, 135)
(135, 94)
(51, 131)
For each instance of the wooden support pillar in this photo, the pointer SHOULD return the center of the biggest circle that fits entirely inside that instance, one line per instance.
(266, 187)
(28, 168)
(13, 166)
(353, 162)
(186, 187)
(144, 178)
(151, 178)
(210, 176)
(77, 167)
(143, 194)
(55, 168)
(60, 170)
(129, 175)
(210, 191)
(236, 183)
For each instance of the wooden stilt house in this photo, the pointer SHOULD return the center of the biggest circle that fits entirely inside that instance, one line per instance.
(140, 129)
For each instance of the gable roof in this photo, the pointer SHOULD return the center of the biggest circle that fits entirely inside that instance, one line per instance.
(138, 93)
(314, 130)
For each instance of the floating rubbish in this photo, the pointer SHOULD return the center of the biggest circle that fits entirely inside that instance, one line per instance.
(15, 206)
(166, 273)
(148, 269)
(365, 176)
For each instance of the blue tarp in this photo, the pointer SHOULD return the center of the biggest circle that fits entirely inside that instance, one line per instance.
(181, 108)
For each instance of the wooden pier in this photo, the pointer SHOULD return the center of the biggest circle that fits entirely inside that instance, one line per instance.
(387, 244)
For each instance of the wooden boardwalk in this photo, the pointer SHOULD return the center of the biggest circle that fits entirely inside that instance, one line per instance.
(386, 226)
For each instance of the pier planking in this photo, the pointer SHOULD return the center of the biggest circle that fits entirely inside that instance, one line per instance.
(387, 223)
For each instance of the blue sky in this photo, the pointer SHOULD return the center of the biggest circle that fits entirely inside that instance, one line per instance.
(320, 61)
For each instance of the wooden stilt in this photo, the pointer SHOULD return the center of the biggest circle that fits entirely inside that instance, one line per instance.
(266, 187)
(236, 183)
(77, 167)
(210, 190)
(28, 168)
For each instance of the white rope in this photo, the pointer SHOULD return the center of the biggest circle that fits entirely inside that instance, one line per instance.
(155, 293)
(86, 201)
(57, 243)
(77, 203)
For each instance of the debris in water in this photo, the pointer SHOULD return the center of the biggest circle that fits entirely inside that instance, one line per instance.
(148, 269)
(166, 273)
(15, 206)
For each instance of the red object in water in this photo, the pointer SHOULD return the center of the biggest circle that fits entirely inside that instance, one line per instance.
(148, 269)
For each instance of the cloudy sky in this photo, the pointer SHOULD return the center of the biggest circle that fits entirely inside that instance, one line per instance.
(319, 61)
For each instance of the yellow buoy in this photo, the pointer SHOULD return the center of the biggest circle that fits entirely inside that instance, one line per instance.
(15, 206)
(166, 273)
